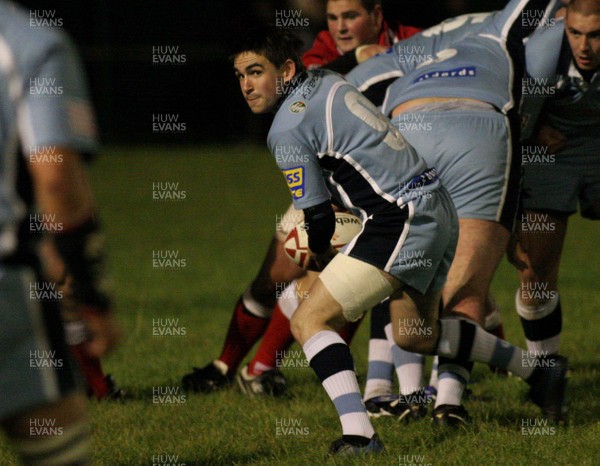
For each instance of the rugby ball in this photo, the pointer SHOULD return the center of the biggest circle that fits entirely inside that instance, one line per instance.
(347, 226)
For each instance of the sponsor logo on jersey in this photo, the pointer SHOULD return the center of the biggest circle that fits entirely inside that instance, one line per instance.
(462, 72)
(294, 178)
(297, 107)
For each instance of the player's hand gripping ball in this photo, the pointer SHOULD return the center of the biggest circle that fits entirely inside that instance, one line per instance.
(347, 226)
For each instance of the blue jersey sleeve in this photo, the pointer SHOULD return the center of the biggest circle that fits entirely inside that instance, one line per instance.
(300, 167)
(57, 107)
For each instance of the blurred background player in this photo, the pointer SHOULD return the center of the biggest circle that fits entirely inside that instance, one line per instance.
(45, 130)
(351, 23)
(356, 31)
(567, 173)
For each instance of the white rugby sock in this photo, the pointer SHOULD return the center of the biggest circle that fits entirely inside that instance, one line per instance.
(380, 369)
(409, 366)
(460, 337)
(330, 358)
(542, 324)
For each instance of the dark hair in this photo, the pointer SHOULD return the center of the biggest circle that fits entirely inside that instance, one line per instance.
(276, 44)
(369, 5)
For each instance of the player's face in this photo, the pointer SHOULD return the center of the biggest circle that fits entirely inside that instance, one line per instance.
(260, 81)
(583, 33)
(351, 25)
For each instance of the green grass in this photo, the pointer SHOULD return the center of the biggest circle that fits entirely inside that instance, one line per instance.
(221, 229)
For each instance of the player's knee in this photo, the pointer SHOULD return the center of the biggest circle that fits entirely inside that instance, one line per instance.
(542, 264)
(469, 302)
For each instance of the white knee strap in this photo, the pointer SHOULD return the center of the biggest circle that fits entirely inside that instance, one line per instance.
(355, 285)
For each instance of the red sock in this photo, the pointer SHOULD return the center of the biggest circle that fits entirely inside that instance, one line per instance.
(347, 331)
(92, 372)
(277, 339)
(244, 330)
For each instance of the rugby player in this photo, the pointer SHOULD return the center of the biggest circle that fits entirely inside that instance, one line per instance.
(351, 23)
(457, 105)
(37, 380)
(555, 180)
(371, 167)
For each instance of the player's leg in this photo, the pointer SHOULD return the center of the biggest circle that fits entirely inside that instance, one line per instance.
(98, 384)
(462, 338)
(250, 318)
(348, 286)
(378, 386)
(260, 376)
(481, 246)
(345, 289)
(541, 238)
(475, 164)
(384, 356)
(551, 192)
(42, 407)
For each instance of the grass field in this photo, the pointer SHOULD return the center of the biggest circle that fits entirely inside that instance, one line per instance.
(215, 235)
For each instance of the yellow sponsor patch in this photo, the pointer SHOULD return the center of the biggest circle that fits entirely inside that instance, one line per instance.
(294, 178)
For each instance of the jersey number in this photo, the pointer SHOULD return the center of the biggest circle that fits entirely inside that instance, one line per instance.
(360, 106)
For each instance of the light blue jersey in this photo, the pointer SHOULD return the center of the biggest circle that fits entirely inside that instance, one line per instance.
(43, 103)
(472, 69)
(480, 58)
(478, 46)
(572, 105)
(406, 55)
(325, 124)
(482, 66)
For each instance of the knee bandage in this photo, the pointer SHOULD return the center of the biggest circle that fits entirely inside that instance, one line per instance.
(355, 285)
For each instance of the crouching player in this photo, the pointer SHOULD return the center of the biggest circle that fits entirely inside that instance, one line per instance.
(404, 208)
(356, 30)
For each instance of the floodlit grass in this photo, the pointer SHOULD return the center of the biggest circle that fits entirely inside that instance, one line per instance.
(217, 233)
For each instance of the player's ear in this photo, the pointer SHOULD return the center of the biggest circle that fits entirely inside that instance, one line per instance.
(378, 16)
(288, 70)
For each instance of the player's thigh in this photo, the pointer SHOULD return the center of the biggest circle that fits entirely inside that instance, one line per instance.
(344, 291)
(418, 250)
(541, 238)
(304, 283)
(481, 246)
